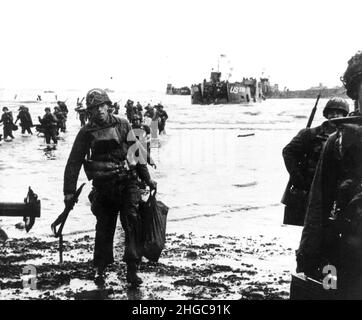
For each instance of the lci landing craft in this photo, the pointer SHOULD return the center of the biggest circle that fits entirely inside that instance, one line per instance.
(221, 92)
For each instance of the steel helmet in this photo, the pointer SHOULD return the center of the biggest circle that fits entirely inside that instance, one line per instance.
(96, 97)
(352, 77)
(336, 103)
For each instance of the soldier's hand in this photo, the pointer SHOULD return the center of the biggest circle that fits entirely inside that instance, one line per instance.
(68, 199)
(153, 166)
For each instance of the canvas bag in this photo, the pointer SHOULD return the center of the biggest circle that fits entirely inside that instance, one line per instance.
(153, 225)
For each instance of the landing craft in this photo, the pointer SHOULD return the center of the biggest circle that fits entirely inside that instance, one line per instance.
(183, 91)
(223, 92)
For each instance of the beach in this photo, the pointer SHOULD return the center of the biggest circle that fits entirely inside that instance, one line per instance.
(225, 237)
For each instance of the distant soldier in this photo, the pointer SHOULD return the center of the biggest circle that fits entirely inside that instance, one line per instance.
(301, 156)
(161, 116)
(25, 120)
(64, 109)
(150, 112)
(130, 109)
(144, 135)
(332, 233)
(49, 126)
(61, 119)
(116, 108)
(139, 109)
(82, 112)
(7, 120)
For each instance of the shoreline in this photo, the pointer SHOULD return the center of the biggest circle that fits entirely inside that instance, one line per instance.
(192, 266)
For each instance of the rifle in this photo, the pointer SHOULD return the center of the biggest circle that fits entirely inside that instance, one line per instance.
(311, 117)
(61, 221)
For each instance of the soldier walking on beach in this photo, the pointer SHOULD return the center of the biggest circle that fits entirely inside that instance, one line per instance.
(61, 119)
(82, 112)
(49, 124)
(64, 110)
(332, 233)
(130, 109)
(301, 156)
(143, 133)
(7, 120)
(161, 116)
(25, 120)
(103, 145)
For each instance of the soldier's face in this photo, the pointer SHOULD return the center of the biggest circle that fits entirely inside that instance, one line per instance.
(335, 114)
(100, 113)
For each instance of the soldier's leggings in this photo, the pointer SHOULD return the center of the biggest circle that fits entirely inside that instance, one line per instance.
(8, 131)
(50, 135)
(26, 128)
(106, 206)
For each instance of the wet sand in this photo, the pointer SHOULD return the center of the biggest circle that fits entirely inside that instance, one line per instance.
(192, 266)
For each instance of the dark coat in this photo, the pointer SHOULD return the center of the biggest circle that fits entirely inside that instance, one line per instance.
(83, 145)
(334, 206)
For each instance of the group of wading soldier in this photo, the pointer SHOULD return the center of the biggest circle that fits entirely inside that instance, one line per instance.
(105, 146)
(325, 189)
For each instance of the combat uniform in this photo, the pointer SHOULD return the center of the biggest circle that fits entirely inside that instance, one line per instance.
(7, 119)
(332, 232)
(161, 116)
(49, 123)
(301, 156)
(115, 193)
(25, 121)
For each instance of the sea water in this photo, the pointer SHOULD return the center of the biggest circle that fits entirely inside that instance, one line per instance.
(219, 167)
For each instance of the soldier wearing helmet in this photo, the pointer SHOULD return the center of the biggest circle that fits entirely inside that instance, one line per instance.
(332, 233)
(161, 116)
(103, 146)
(7, 120)
(49, 126)
(130, 109)
(63, 109)
(25, 120)
(143, 133)
(301, 155)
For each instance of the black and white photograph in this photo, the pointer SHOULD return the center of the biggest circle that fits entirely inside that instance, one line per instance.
(180, 151)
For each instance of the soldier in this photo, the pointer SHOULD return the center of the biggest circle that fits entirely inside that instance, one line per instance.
(139, 109)
(25, 119)
(161, 116)
(61, 119)
(130, 109)
(332, 233)
(150, 112)
(64, 110)
(49, 125)
(105, 141)
(82, 112)
(7, 120)
(144, 135)
(116, 108)
(301, 156)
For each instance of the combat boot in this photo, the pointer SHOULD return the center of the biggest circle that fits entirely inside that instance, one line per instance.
(132, 277)
(99, 277)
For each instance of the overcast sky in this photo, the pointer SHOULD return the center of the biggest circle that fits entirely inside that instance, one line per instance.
(145, 44)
